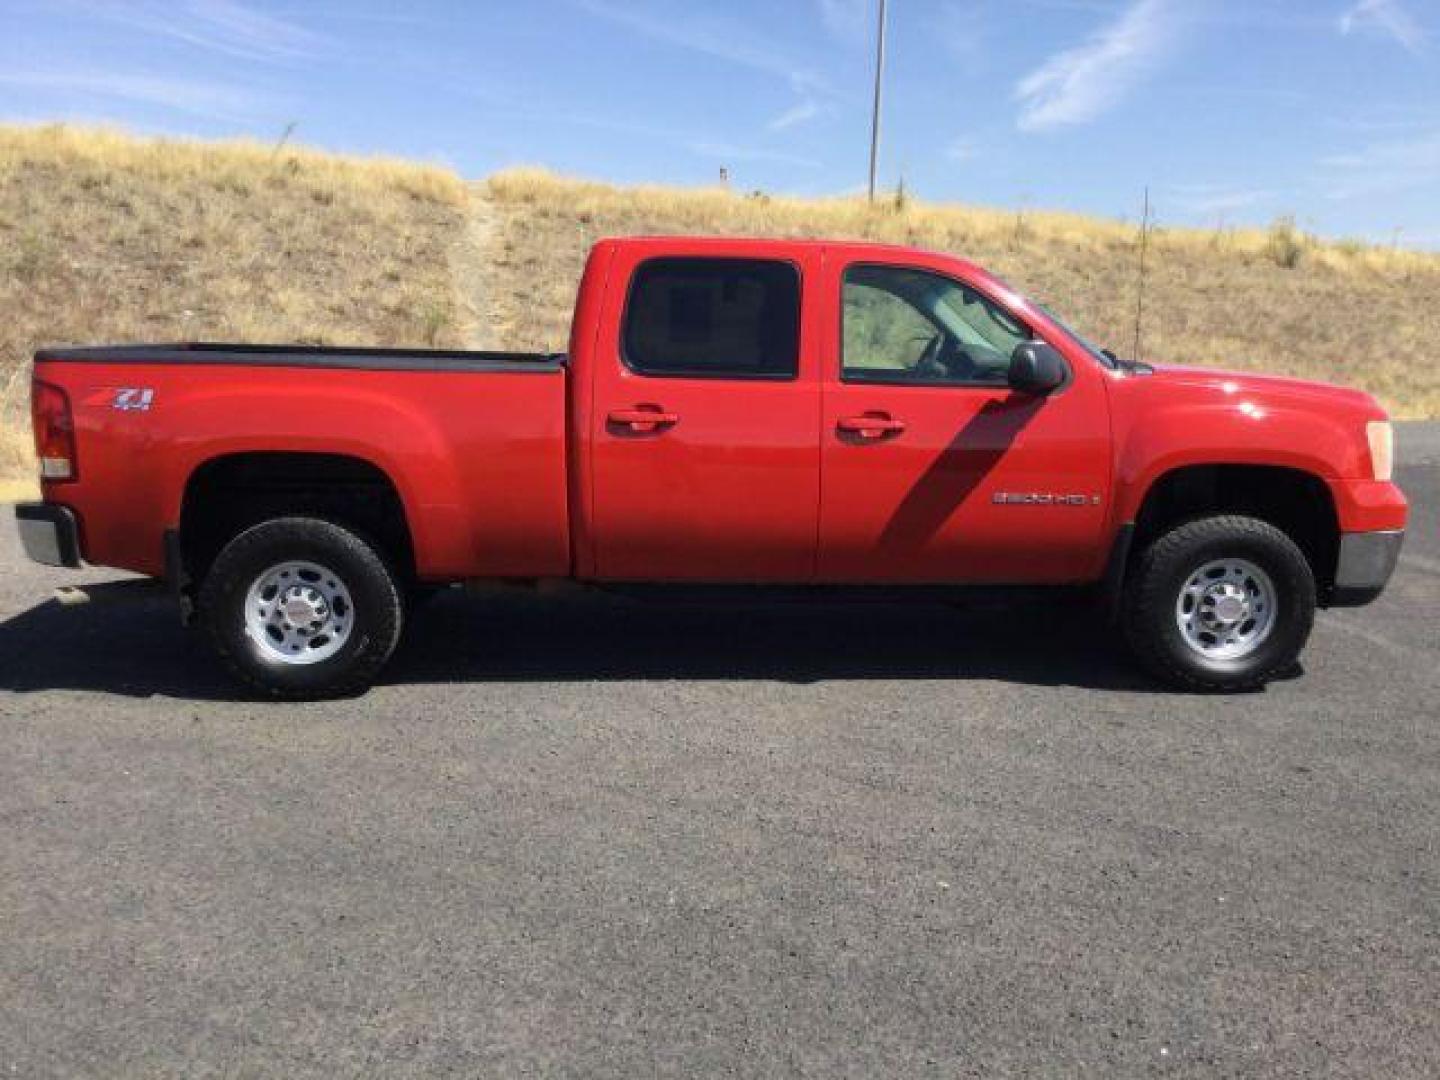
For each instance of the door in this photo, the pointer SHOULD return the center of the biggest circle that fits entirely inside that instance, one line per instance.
(705, 422)
(933, 469)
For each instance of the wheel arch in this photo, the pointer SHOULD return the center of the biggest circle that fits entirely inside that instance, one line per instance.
(229, 492)
(1296, 501)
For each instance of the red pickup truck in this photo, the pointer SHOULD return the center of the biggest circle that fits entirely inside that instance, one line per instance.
(845, 417)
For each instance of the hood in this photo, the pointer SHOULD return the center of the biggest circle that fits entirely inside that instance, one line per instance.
(1267, 387)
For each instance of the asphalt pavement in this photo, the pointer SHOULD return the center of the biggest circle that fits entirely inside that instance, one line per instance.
(581, 836)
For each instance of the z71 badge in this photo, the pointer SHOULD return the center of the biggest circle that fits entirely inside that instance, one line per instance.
(133, 399)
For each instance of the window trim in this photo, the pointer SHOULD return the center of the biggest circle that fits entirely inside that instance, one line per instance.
(703, 376)
(881, 380)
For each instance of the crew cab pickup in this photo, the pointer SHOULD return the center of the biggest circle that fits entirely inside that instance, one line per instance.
(742, 413)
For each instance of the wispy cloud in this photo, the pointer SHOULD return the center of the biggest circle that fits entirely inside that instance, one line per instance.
(1388, 18)
(729, 152)
(1380, 118)
(194, 97)
(802, 111)
(1079, 84)
(962, 149)
(960, 27)
(1384, 168)
(1208, 200)
(726, 40)
(1098, 7)
(703, 145)
(846, 19)
(716, 37)
(229, 27)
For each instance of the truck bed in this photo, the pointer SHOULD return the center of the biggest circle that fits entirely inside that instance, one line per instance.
(308, 356)
(473, 442)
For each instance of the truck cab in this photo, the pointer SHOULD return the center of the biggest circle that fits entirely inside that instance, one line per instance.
(837, 413)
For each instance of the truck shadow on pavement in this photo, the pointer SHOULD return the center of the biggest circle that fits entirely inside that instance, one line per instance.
(127, 640)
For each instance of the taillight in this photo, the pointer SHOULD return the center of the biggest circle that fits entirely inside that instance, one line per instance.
(54, 431)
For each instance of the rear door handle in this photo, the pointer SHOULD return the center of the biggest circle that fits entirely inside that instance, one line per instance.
(642, 420)
(870, 427)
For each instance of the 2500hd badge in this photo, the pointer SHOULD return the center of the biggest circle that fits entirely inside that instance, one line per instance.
(1042, 498)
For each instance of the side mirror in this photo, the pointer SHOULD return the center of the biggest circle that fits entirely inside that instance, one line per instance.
(1037, 368)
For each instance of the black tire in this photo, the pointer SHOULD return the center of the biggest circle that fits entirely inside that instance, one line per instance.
(1153, 588)
(378, 610)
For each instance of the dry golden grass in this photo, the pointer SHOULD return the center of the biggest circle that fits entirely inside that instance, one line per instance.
(1270, 300)
(19, 490)
(17, 453)
(109, 238)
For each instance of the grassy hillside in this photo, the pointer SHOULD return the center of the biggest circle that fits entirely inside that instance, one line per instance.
(1269, 300)
(15, 462)
(107, 238)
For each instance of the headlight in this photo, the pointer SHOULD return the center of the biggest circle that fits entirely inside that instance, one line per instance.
(1382, 448)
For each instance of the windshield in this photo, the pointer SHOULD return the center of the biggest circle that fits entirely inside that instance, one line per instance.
(1089, 346)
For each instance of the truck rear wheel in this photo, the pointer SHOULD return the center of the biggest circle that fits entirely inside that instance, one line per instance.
(300, 608)
(1220, 604)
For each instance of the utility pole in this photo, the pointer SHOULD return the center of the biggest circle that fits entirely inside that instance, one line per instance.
(879, 93)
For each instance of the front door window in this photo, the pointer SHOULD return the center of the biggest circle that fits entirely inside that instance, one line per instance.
(904, 326)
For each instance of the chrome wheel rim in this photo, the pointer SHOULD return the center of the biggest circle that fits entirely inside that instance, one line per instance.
(299, 613)
(1226, 609)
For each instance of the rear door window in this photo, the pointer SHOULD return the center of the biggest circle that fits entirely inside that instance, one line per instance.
(713, 318)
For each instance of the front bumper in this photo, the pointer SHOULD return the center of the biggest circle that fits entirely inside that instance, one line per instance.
(1367, 559)
(49, 534)
(1365, 506)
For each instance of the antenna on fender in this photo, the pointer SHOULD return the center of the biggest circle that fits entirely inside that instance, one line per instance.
(1140, 286)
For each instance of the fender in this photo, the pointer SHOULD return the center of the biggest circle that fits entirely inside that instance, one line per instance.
(1232, 422)
(350, 414)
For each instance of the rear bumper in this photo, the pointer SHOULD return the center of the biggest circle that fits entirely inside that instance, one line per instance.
(1367, 559)
(49, 534)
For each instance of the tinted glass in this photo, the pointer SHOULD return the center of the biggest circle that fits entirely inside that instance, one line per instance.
(912, 326)
(727, 318)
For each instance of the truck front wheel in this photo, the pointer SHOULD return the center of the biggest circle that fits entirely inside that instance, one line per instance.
(300, 608)
(1220, 604)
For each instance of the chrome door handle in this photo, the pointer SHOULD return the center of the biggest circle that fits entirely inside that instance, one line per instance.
(870, 427)
(642, 421)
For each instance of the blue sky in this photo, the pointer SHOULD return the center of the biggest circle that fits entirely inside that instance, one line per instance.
(1232, 111)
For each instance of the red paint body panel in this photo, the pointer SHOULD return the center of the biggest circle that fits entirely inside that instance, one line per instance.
(1369, 506)
(1179, 417)
(919, 505)
(728, 492)
(478, 458)
(510, 474)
